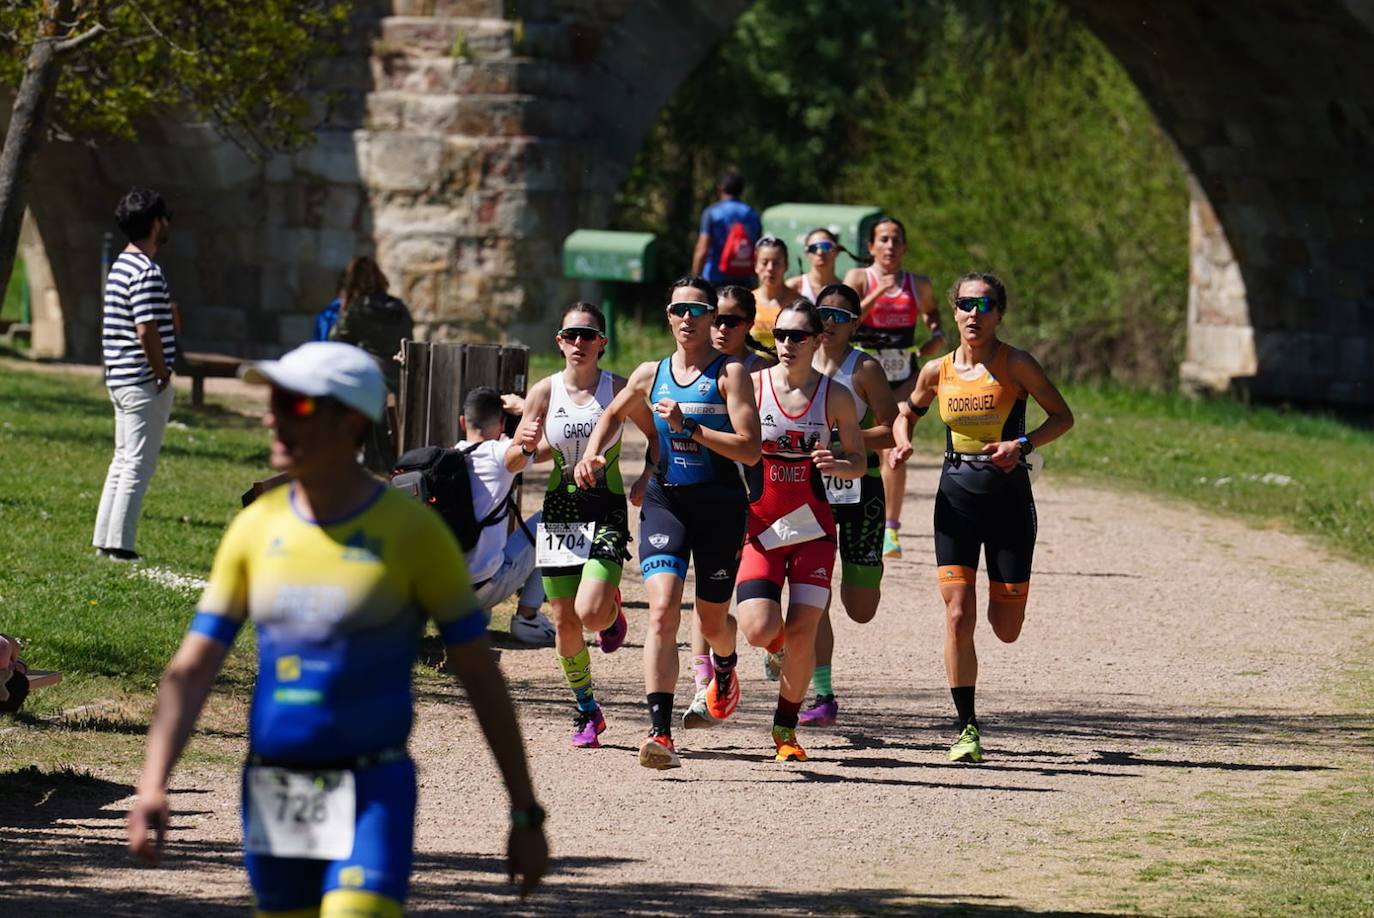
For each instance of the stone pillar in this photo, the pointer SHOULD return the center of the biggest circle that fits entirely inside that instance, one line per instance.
(1221, 339)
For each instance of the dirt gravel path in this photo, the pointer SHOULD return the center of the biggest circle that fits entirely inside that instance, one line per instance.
(1169, 659)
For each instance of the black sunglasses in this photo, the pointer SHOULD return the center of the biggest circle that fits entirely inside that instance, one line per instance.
(792, 335)
(579, 333)
(980, 304)
(729, 321)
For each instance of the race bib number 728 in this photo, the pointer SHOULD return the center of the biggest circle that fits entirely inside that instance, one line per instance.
(308, 814)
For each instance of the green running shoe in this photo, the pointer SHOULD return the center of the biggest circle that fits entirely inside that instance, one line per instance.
(968, 747)
(892, 547)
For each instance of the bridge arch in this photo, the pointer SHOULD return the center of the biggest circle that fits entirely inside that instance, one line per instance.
(474, 134)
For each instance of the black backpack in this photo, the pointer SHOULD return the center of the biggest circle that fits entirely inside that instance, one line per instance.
(439, 477)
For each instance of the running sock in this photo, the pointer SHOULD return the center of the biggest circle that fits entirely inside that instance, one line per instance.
(894, 524)
(577, 670)
(820, 681)
(785, 715)
(661, 713)
(963, 703)
(701, 670)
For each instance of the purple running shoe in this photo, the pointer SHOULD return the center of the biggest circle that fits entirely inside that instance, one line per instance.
(587, 728)
(824, 711)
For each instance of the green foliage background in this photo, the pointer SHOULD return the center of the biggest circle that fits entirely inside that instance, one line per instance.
(1001, 131)
(240, 65)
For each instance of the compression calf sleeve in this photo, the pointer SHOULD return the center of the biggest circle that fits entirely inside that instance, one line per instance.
(820, 681)
(578, 671)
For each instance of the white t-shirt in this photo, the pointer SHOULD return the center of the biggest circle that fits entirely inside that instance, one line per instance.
(490, 483)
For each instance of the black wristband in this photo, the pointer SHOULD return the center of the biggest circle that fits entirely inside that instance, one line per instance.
(916, 409)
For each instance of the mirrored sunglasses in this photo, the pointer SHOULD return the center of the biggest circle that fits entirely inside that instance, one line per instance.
(579, 333)
(838, 316)
(980, 304)
(729, 321)
(695, 310)
(823, 247)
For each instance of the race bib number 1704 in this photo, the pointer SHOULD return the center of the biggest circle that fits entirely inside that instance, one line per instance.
(563, 544)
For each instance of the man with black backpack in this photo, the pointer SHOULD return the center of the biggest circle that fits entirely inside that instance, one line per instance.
(502, 561)
(725, 242)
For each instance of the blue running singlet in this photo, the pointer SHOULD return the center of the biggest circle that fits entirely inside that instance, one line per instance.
(683, 461)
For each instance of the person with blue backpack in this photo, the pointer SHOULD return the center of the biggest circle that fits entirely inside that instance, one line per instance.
(724, 251)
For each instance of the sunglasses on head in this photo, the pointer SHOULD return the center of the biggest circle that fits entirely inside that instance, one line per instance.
(695, 310)
(980, 304)
(836, 315)
(823, 247)
(729, 321)
(579, 333)
(792, 335)
(294, 404)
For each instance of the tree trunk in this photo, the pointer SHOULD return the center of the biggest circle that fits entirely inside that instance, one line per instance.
(25, 134)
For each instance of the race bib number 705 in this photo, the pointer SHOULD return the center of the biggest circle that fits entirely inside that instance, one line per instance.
(841, 490)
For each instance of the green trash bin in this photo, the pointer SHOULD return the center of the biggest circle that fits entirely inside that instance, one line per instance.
(850, 222)
(609, 255)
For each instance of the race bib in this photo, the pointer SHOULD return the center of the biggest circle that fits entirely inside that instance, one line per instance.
(896, 363)
(798, 526)
(841, 490)
(563, 544)
(308, 814)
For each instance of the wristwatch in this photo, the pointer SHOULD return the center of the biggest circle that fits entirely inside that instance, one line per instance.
(532, 817)
(529, 453)
(690, 427)
(1026, 445)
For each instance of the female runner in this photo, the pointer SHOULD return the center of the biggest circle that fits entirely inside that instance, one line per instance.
(984, 500)
(584, 531)
(822, 249)
(730, 335)
(791, 527)
(892, 300)
(858, 505)
(770, 264)
(706, 420)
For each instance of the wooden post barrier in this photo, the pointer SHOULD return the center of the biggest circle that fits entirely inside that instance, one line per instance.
(436, 377)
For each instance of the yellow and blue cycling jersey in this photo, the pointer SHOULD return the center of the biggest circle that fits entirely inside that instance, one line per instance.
(338, 607)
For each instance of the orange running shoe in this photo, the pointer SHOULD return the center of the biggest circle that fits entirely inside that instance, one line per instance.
(789, 750)
(722, 703)
(658, 752)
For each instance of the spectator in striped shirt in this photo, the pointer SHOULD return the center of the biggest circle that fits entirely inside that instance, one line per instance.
(139, 339)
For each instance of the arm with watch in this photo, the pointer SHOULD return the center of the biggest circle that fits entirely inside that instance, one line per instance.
(527, 849)
(743, 444)
(1026, 371)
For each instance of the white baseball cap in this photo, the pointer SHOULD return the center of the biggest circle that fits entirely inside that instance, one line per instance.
(326, 368)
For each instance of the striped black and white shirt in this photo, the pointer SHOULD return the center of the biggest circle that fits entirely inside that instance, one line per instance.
(135, 292)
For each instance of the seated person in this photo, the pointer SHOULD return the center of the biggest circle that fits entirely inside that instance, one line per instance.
(502, 562)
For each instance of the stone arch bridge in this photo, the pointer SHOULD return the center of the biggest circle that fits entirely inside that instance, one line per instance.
(472, 135)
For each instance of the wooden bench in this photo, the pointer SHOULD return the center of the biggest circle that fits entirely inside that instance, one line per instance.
(198, 366)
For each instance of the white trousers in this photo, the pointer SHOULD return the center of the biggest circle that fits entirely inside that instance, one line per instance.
(517, 572)
(141, 414)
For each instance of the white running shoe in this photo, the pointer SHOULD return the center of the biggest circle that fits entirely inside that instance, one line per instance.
(537, 631)
(698, 715)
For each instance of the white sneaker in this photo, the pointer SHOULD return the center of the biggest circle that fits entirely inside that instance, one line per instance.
(537, 631)
(698, 715)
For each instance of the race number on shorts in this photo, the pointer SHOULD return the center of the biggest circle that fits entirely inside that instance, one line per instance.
(563, 544)
(841, 490)
(309, 814)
